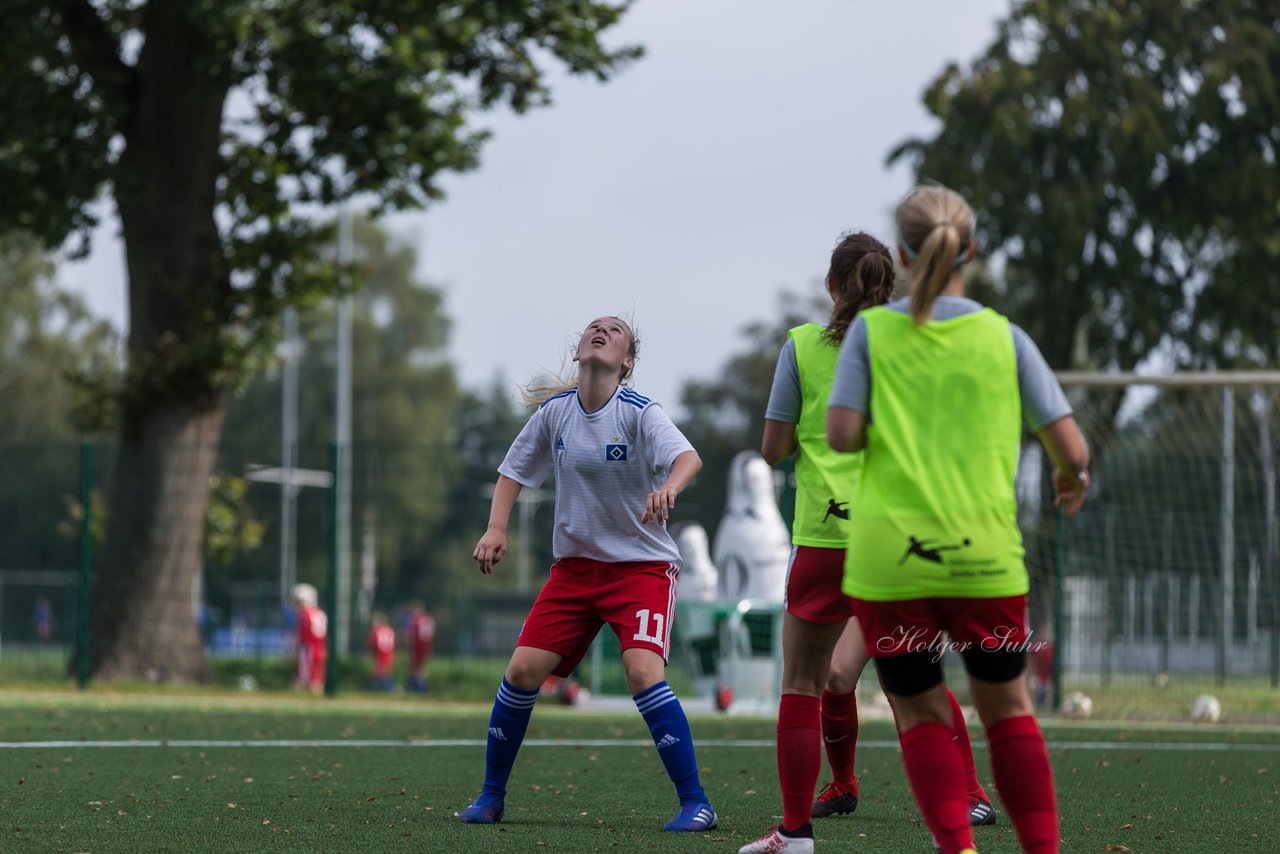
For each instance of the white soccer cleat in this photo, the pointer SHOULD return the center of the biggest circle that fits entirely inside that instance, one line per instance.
(774, 842)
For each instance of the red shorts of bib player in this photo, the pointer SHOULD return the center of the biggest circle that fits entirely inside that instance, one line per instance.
(814, 577)
(964, 625)
(636, 599)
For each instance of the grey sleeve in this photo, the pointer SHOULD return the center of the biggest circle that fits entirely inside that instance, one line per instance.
(784, 395)
(1043, 401)
(851, 388)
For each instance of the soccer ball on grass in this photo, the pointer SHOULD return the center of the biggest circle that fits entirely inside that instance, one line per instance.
(1206, 709)
(1077, 705)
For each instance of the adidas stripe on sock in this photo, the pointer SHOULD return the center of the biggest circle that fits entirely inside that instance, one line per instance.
(507, 725)
(669, 727)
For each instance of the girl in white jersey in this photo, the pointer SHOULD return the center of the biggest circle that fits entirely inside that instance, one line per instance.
(619, 464)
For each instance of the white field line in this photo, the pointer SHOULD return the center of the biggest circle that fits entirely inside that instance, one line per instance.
(1215, 746)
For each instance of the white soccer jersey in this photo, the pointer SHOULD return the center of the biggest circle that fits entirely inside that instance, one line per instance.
(606, 463)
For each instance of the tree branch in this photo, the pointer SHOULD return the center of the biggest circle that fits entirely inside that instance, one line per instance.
(96, 50)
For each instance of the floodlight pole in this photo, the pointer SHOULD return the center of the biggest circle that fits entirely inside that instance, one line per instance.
(288, 456)
(342, 439)
(84, 591)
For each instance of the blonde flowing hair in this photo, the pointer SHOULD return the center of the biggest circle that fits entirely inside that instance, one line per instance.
(541, 390)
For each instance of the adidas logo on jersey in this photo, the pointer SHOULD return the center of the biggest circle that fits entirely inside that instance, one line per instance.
(559, 443)
(667, 741)
(496, 732)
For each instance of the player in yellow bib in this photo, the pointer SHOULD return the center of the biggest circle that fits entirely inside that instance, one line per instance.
(823, 651)
(935, 389)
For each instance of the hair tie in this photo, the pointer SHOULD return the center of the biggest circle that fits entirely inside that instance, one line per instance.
(906, 247)
(911, 253)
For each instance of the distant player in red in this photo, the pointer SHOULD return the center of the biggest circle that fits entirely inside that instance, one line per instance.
(44, 619)
(1042, 667)
(382, 646)
(422, 644)
(313, 635)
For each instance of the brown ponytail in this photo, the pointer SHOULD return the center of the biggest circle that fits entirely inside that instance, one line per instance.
(861, 275)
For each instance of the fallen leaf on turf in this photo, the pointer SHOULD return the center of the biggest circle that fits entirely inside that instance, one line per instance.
(1111, 846)
(1126, 827)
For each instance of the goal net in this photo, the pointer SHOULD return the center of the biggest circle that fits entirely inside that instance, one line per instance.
(1168, 576)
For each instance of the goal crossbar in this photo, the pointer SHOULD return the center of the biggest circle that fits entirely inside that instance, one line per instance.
(1183, 379)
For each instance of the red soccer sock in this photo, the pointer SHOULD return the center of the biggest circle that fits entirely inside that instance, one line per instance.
(840, 736)
(799, 757)
(1020, 763)
(960, 732)
(936, 773)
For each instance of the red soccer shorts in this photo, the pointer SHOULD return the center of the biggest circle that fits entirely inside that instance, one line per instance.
(311, 661)
(814, 577)
(911, 625)
(420, 654)
(637, 599)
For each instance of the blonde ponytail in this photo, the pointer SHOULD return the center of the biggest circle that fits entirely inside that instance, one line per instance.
(935, 231)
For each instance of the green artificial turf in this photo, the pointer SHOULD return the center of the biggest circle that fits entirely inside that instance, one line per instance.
(1143, 788)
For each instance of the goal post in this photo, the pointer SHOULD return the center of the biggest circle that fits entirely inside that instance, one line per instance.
(1169, 574)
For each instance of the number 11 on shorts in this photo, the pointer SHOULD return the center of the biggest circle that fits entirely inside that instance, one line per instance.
(659, 621)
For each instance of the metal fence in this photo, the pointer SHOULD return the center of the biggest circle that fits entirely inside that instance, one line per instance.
(1166, 582)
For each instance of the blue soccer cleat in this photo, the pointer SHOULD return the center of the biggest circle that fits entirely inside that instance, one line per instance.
(692, 818)
(487, 809)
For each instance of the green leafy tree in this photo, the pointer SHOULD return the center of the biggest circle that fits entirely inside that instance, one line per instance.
(1122, 160)
(48, 342)
(211, 125)
(487, 423)
(50, 346)
(725, 415)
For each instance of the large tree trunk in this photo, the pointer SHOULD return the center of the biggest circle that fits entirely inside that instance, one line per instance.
(181, 355)
(144, 615)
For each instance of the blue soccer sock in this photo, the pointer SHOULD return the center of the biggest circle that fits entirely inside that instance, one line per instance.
(670, 729)
(507, 726)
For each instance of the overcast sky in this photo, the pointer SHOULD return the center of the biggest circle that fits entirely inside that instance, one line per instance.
(687, 193)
